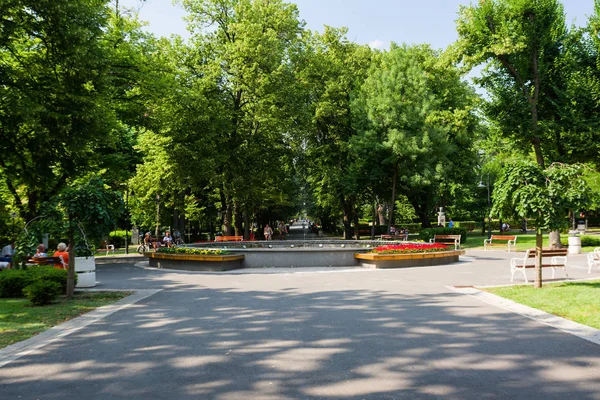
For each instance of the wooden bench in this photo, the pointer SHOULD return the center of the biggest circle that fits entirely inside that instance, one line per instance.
(229, 238)
(558, 259)
(394, 237)
(447, 239)
(55, 261)
(593, 259)
(501, 240)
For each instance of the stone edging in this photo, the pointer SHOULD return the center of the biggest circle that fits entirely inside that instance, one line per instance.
(20, 349)
(408, 256)
(582, 331)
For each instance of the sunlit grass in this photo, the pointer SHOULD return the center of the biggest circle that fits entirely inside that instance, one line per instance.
(19, 320)
(576, 301)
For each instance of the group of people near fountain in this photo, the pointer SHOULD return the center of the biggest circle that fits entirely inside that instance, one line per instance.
(282, 230)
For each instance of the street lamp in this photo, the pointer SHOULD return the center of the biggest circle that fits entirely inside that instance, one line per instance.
(489, 204)
(13, 215)
(157, 214)
(127, 218)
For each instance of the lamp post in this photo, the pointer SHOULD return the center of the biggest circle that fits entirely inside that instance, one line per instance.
(13, 215)
(157, 214)
(489, 204)
(127, 218)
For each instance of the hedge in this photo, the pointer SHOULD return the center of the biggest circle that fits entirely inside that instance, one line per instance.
(13, 281)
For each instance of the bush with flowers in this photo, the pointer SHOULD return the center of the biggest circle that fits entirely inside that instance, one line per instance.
(406, 248)
(190, 250)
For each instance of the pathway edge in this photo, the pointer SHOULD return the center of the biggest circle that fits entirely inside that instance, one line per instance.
(20, 349)
(573, 328)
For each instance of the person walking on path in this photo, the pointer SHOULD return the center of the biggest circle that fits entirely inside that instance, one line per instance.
(268, 232)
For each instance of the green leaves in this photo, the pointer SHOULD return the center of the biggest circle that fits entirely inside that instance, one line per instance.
(524, 190)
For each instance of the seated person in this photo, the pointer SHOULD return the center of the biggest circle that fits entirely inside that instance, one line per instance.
(6, 256)
(168, 240)
(61, 250)
(41, 251)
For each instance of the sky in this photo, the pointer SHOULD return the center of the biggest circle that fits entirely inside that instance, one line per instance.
(374, 22)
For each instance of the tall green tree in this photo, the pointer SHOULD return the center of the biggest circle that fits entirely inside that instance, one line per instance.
(60, 76)
(334, 70)
(519, 41)
(246, 48)
(526, 190)
(425, 114)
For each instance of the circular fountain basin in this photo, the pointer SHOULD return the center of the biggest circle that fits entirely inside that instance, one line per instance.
(295, 254)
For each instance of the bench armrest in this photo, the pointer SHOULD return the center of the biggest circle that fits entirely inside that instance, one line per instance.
(518, 262)
(432, 240)
(554, 260)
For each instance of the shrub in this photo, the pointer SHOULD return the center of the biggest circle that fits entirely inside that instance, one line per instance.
(429, 233)
(50, 274)
(586, 241)
(42, 292)
(13, 281)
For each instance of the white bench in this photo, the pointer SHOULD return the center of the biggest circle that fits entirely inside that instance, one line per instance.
(558, 259)
(593, 259)
(447, 239)
(511, 241)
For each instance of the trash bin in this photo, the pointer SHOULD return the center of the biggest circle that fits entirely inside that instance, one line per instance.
(574, 242)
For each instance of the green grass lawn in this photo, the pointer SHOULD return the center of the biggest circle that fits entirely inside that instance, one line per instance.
(524, 241)
(577, 301)
(19, 320)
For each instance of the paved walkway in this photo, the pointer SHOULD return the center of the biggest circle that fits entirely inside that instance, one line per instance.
(311, 333)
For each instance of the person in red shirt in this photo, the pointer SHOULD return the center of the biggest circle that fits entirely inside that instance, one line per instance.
(61, 250)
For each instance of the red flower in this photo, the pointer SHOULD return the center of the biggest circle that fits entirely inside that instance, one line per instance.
(411, 248)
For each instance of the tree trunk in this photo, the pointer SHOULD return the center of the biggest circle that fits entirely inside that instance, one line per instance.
(393, 205)
(238, 218)
(555, 240)
(246, 223)
(539, 242)
(374, 221)
(381, 212)
(71, 266)
(356, 226)
(347, 208)
(227, 228)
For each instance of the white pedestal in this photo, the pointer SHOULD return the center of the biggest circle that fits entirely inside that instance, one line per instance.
(574, 245)
(85, 267)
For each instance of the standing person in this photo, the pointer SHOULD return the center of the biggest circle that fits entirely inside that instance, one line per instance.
(147, 240)
(451, 223)
(61, 250)
(168, 240)
(282, 230)
(268, 232)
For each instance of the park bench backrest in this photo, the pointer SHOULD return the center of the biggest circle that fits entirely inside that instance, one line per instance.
(229, 238)
(548, 253)
(503, 237)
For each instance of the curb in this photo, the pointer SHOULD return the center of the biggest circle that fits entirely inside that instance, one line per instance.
(573, 328)
(20, 349)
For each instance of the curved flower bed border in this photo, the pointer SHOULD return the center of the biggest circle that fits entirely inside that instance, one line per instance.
(406, 248)
(191, 250)
(408, 259)
(195, 262)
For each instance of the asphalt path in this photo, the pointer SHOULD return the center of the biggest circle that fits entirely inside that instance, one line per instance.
(312, 333)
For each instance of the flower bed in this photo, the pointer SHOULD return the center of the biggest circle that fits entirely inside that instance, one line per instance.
(409, 255)
(407, 248)
(189, 250)
(195, 259)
